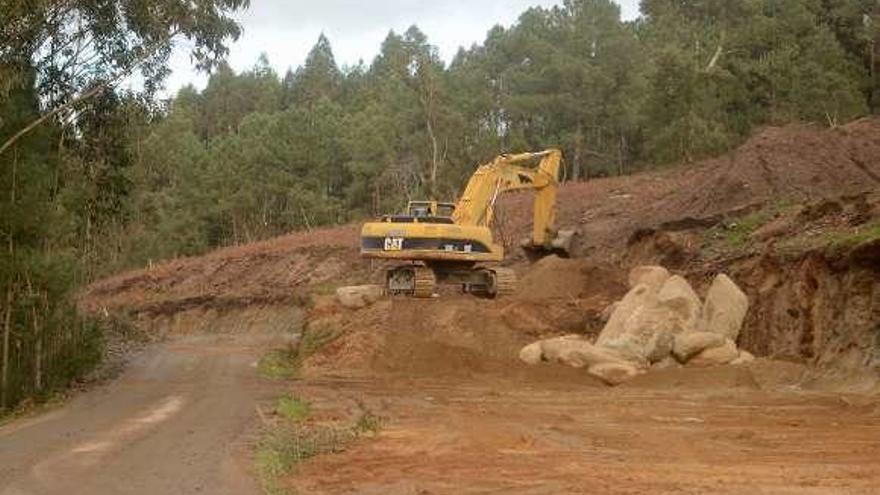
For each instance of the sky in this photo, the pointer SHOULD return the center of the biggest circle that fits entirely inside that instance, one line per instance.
(287, 29)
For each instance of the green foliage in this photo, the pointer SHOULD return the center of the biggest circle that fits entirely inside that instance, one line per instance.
(293, 409)
(286, 444)
(315, 337)
(278, 365)
(849, 239)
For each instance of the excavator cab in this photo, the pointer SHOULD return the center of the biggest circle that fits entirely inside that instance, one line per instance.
(430, 209)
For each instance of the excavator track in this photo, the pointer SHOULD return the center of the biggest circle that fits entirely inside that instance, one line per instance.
(425, 280)
(505, 282)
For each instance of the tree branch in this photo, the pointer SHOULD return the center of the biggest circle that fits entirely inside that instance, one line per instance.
(97, 89)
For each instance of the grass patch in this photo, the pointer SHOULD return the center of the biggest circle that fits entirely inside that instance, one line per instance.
(278, 365)
(281, 449)
(293, 409)
(325, 288)
(844, 240)
(284, 364)
(315, 337)
(293, 440)
(737, 234)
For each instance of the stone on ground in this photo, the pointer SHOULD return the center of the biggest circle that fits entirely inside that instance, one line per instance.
(660, 347)
(716, 356)
(531, 354)
(360, 296)
(745, 357)
(576, 352)
(652, 276)
(725, 309)
(630, 308)
(688, 345)
(679, 297)
(614, 373)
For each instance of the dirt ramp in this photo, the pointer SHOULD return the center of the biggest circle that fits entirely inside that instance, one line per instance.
(458, 334)
(449, 335)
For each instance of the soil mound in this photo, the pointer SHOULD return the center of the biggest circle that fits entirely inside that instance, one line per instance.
(455, 335)
(554, 278)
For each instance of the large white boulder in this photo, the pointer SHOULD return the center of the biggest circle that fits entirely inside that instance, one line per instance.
(531, 354)
(652, 276)
(745, 357)
(679, 298)
(725, 309)
(716, 356)
(627, 314)
(659, 307)
(660, 347)
(360, 296)
(688, 345)
(614, 373)
(576, 352)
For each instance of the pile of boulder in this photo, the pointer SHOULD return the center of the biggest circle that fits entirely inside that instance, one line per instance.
(661, 322)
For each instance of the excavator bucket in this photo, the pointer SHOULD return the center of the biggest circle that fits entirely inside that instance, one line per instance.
(563, 244)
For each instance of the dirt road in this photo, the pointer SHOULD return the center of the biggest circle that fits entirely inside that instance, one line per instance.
(177, 422)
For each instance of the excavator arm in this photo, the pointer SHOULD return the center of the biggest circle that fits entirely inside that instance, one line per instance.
(509, 173)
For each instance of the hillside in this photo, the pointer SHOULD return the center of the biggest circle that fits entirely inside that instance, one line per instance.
(791, 165)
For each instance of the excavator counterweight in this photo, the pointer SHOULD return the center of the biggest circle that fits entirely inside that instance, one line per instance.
(453, 243)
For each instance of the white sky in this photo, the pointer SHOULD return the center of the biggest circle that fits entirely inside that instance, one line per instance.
(287, 30)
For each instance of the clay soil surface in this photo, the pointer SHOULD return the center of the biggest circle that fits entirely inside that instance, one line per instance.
(681, 431)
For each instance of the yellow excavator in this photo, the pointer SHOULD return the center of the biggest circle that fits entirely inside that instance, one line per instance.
(453, 243)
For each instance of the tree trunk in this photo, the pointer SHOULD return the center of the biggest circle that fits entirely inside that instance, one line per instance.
(38, 352)
(435, 152)
(7, 329)
(578, 156)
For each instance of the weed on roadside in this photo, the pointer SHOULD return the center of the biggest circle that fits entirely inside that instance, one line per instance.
(279, 364)
(315, 337)
(294, 439)
(293, 409)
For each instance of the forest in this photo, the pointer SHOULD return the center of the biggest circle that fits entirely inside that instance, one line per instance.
(96, 179)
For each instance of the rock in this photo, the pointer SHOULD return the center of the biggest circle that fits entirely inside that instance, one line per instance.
(614, 373)
(677, 296)
(660, 347)
(577, 353)
(667, 363)
(357, 297)
(609, 310)
(552, 349)
(631, 306)
(725, 309)
(745, 357)
(531, 354)
(641, 332)
(716, 356)
(774, 228)
(652, 276)
(688, 345)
